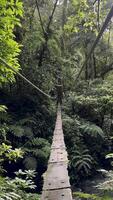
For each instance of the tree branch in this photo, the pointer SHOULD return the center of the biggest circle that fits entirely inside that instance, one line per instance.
(51, 17)
(105, 25)
(41, 23)
(47, 35)
(95, 2)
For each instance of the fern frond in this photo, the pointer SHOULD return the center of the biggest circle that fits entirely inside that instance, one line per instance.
(3, 108)
(82, 160)
(27, 121)
(92, 130)
(17, 130)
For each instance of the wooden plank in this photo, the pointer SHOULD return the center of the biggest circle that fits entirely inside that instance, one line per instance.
(57, 145)
(56, 177)
(62, 194)
(58, 139)
(58, 155)
(58, 132)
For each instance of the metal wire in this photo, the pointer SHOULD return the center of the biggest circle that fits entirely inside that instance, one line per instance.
(25, 79)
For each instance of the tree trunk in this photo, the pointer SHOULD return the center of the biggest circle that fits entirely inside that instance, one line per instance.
(64, 18)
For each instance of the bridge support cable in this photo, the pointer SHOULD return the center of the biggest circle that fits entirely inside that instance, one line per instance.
(56, 180)
(105, 25)
(24, 78)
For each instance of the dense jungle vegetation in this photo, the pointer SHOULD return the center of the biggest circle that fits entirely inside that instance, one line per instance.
(45, 39)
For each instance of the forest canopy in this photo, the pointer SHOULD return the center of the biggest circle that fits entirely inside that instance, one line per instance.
(49, 42)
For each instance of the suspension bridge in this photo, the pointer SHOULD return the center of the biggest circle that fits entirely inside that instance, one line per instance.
(56, 180)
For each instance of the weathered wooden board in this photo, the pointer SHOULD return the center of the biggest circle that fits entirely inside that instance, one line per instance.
(62, 194)
(56, 177)
(58, 141)
(58, 132)
(57, 145)
(58, 155)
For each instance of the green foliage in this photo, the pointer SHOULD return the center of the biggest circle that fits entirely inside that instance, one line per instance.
(83, 122)
(86, 103)
(81, 161)
(3, 126)
(94, 100)
(3, 108)
(83, 20)
(71, 130)
(54, 47)
(30, 174)
(10, 14)
(33, 41)
(92, 130)
(110, 155)
(106, 185)
(18, 131)
(24, 180)
(86, 196)
(74, 60)
(9, 154)
(22, 128)
(30, 162)
(38, 150)
(16, 189)
(106, 197)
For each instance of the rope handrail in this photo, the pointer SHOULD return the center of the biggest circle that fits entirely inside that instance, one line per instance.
(107, 20)
(25, 79)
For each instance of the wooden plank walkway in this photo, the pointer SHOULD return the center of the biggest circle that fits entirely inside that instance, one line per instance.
(56, 180)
